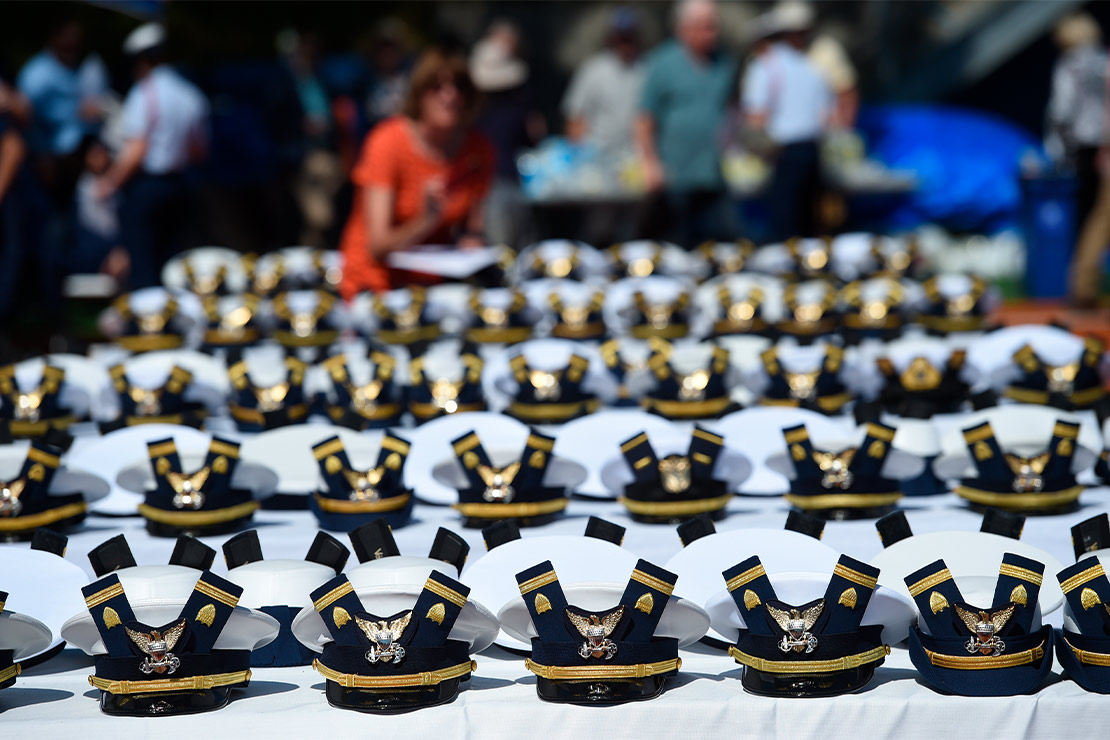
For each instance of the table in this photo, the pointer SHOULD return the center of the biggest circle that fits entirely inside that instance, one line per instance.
(706, 700)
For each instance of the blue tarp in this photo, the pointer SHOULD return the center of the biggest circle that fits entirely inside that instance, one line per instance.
(967, 163)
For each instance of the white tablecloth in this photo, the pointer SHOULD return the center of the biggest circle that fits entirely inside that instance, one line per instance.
(54, 700)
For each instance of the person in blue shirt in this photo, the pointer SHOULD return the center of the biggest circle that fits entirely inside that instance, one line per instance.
(65, 90)
(164, 127)
(687, 88)
(786, 97)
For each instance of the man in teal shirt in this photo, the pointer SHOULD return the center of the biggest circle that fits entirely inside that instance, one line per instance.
(689, 83)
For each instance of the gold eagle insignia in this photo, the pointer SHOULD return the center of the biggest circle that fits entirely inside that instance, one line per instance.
(984, 626)
(10, 505)
(499, 482)
(1028, 471)
(187, 488)
(797, 623)
(364, 486)
(383, 637)
(596, 630)
(834, 467)
(157, 646)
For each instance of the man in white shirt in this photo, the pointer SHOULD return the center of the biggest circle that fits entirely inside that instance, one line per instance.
(164, 124)
(603, 98)
(785, 95)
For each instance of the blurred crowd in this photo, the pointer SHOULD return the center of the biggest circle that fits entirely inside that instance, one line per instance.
(91, 183)
(425, 150)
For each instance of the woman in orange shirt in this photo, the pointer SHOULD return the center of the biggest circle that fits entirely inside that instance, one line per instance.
(421, 177)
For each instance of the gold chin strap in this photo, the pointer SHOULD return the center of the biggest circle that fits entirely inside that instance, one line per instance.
(676, 508)
(602, 672)
(843, 500)
(1020, 501)
(10, 672)
(502, 511)
(398, 681)
(191, 683)
(848, 662)
(982, 663)
(42, 519)
(1087, 657)
(198, 518)
(383, 505)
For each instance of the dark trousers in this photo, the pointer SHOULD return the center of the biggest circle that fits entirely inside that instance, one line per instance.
(32, 251)
(696, 216)
(794, 189)
(1086, 182)
(154, 214)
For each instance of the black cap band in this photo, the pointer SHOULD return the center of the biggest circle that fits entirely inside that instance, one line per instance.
(603, 530)
(500, 532)
(867, 411)
(192, 553)
(326, 550)
(800, 521)
(696, 528)
(111, 555)
(47, 540)
(243, 548)
(1006, 523)
(373, 541)
(984, 400)
(1090, 535)
(893, 527)
(450, 548)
